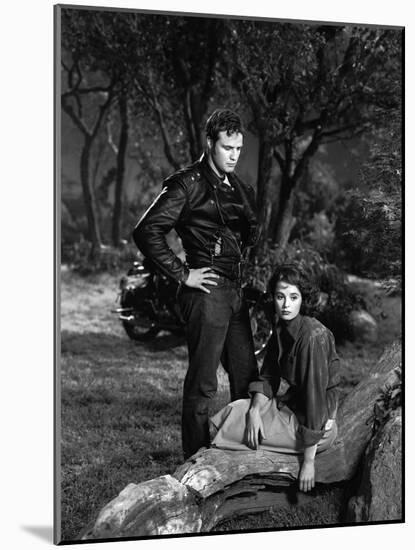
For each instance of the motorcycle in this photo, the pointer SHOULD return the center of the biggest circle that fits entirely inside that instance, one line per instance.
(148, 306)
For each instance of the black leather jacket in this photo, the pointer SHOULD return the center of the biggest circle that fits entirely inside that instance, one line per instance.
(189, 203)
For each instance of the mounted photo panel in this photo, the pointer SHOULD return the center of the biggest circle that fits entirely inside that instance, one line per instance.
(228, 212)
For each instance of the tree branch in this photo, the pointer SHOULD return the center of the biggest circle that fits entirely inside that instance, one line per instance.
(103, 108)
(308, 153)
(79, 123)
(168, 149)
(213, 56)
(280, 159)
(357, 129)
(143, 92)
(110, 140)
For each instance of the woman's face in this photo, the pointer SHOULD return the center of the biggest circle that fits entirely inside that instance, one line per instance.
(287, 301)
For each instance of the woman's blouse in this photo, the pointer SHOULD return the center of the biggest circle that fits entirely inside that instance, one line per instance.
(301, 369)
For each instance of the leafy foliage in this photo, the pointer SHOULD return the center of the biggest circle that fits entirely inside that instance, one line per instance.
(368, 229)
(83, 258)
(315, 207)
(338, 298)
(298, 86)
(314, 85)
(369, 234)
(390, 400)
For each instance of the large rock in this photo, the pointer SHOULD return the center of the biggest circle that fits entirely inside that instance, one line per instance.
(379, 496)
(363, 326)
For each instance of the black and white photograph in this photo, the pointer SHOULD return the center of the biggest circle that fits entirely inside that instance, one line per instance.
(228, 204)
(204, 210)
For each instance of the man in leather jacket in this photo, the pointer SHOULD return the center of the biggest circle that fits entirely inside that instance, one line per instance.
(213, 212)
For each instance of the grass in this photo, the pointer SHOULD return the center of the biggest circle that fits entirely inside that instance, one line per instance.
(121, 407)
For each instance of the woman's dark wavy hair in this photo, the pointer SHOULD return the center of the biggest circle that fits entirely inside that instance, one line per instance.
(223, 120)
(306, 284)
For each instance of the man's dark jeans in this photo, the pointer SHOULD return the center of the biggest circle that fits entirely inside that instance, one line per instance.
(217, 330)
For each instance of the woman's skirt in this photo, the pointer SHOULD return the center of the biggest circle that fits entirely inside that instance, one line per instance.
(280, 426)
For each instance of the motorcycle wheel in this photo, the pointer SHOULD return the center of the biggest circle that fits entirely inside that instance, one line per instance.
(138, 333)
(138, 329)
(261, 324)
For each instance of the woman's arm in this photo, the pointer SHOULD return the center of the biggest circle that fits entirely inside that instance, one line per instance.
(254, 430)
(261, 391)
(316, 362)
(314, 374)
(268, 380)
(307, 471)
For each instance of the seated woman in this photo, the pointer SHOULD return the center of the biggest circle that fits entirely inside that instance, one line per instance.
(294, 401)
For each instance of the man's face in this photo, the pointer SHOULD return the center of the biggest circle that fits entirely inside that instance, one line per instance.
(226, 150)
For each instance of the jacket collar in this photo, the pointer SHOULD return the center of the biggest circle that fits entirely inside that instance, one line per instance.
(210, 175)
(292, 327)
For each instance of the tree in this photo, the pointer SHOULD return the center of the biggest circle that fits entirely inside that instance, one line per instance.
(167, 68)
(194, 49)
(307, 86)
(177, 78)
(369, 221)
(163, 71)
(83, 93)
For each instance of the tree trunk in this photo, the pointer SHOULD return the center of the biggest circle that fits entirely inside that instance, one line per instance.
(214, 485)
(119, 181)
(192, 115)
(94, 235)
(100, 149)
(285, 220)
(263, 186)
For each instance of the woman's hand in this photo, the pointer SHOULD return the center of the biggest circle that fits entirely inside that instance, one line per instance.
(306, 477)
(254, 431)
(307, 472)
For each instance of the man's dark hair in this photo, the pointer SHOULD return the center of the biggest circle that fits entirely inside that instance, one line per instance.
(294, 275)
(223, 120)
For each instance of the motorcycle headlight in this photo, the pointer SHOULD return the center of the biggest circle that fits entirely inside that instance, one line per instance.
(131, 282)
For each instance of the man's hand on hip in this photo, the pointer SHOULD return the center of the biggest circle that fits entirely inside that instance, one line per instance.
(201, 276)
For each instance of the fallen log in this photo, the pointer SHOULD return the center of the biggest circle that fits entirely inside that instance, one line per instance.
(215, 484)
